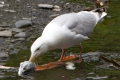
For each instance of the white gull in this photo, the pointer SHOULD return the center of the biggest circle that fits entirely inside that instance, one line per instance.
(65, 31)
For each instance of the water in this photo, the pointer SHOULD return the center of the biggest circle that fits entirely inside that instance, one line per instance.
(109, 41)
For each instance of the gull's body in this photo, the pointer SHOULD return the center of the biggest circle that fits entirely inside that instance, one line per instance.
(65, 31)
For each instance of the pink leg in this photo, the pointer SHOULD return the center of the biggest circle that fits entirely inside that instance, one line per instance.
(80, 58)
(63, 53)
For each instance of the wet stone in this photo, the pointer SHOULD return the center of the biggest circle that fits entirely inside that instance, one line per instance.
(109, 16)
(45, 6)
(1, 5)
(3, 56)
(98, 78)
(79, 79)
(15, 51)
(19, 39)
(6, 33)
(54, 15)
(11, 46)
(10, 11)
(4, 25)
(23, 23)
(1, 29)
(16, 30)
(21, 35)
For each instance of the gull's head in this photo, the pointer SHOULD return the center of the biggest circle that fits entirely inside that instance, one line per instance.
(26, 67)
(38, 47)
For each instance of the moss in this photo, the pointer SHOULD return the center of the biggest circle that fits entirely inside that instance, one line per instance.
(112, 74)
(15, 59)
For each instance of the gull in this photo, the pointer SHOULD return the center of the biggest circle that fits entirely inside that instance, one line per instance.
(63, 32)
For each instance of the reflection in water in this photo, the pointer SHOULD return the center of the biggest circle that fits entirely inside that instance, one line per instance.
(7, 72)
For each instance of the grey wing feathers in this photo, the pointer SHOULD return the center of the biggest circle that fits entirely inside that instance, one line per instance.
(80, 24)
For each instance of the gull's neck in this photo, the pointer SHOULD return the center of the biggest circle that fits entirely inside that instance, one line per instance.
(39, 47)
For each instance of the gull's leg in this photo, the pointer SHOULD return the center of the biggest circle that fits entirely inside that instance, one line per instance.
(80, 58)
(63, 53)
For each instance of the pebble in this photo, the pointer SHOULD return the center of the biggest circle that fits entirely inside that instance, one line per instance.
(54, 15)
(3, 56)
(15, 51)
(1, 29)
(10, 11)
(4, 25)
(24, 18)
(23, 23)
(91, 56)
(45, 6)
(19, 39)
(16, 30)
(11, 46)
(1, 5)
(56, 8)
(21, 35)
(6, 33)
(98, 78)
(109, 16)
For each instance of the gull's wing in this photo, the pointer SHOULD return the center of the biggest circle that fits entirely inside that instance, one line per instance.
(81, 23)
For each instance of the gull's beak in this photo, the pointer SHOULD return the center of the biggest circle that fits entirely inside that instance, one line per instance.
(32, 59)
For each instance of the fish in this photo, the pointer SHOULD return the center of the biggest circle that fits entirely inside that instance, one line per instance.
(26, 67)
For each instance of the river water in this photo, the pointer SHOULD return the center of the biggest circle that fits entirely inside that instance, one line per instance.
(83, 71)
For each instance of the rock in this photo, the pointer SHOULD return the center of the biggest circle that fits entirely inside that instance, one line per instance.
(6, 33)
(2, 2)
(98, 78)
(66, 5)
(4, 25)
(54, 15)
(24, 18)
(10, 11)
(15, 51)
(3, 56)
(11, 46)
(79, 79)
(19, 39)
(22, 23)
(32, 37)
(21, 35)
(56, 8)
(91, 73)
(16, 30)
(1, 5)
(1, 29)
(109, 16)
(95, 59)
(91, 56)
(45, 6)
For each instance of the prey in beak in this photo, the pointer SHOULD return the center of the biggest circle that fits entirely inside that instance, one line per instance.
(26, 67)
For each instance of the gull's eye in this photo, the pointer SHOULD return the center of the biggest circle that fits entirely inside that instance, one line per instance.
(25, 68)
(37, 49)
